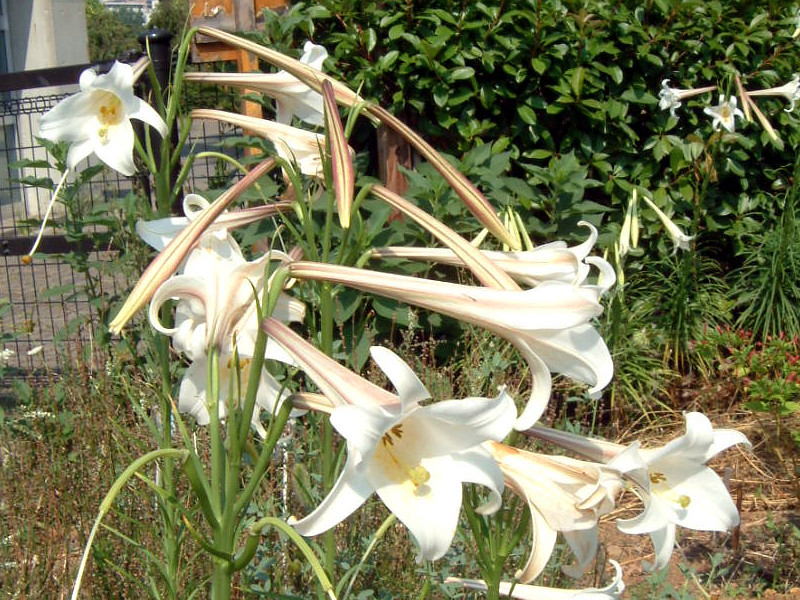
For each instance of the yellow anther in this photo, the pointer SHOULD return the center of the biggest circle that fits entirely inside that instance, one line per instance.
(684, 501)
(656, 477)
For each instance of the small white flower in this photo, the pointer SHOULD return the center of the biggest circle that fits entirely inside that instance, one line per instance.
(34, 351)
(790, 91)
(671, 98)
(6, 355)
(98, 119)
(724, 113)
(680, 239)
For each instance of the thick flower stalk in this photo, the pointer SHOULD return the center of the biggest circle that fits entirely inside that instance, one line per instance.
(548, 324)
(520, 591)
(671, 98)
(676, 487)
(292, 96)
(415, 457)
(564, 496)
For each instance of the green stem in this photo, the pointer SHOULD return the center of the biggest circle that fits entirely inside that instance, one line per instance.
(215, 431)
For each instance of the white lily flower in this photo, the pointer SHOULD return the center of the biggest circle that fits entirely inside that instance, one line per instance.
(671, 98)
(673, 481)
(790, 91)
(216, 308)
(415, 457)
(292, 96)
(98, 119)
(724, 113)
(549, 262)
(548, 324)
(563, 495)
(520, 591)
(679, 239)
(292, 144)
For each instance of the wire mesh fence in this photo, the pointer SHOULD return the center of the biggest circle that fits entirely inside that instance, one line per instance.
(41, 308)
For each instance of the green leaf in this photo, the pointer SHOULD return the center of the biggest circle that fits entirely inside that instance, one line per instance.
(462, 73)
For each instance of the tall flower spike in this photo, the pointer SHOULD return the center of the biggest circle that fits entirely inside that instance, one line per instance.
(97, 120)
(679, 239)
(291, 143)
(344, 179)
(724, 114)
(292, 96)
(469, 194)
(672, 98)
(168, 261)
(548, 324)
(414, 457)
(675, 485)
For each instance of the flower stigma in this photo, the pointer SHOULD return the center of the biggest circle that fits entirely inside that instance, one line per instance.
(660, 479)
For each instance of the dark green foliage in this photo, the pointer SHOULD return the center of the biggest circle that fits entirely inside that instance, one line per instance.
(110, 35)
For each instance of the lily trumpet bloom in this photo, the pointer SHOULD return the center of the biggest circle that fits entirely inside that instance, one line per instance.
(174, 253)
(216, 308)
(520, 591)
(563, 495)
(414, 457)
(672, 98)
(724, 113)
(98, 119)
(679, 239)
(291, 143)
(790, 91)
(292, 96)
(549, 262)
(548, 324)
(673, 482)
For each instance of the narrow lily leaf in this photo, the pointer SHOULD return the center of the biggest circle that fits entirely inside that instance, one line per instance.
(166, 263)
(344, 180)
(486, 271)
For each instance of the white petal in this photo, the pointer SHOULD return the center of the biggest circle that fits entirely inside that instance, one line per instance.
(543, 541)
(191, 397)
(477, 466)
(117, 152)
(405, 381)
(363, 426)
(430, 510)
(455, 425)
(350, 491)
(541, 384)
(663, 543)
(78, 151)
(159, 232)
(144, 112)
(724, 439)
(583, 543)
